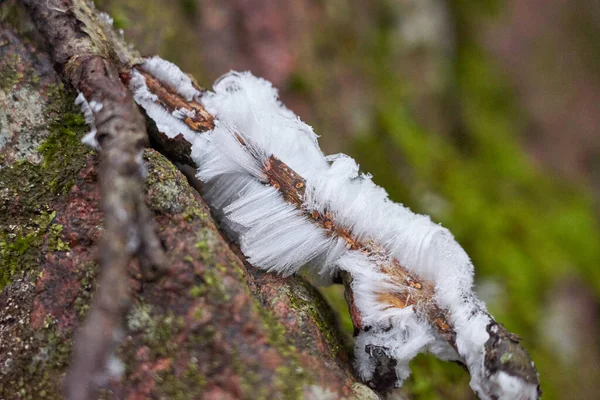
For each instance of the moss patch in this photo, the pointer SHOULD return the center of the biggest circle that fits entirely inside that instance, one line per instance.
(289, 378)
(309, 303)
(20, 246)
(29, 190)
(189, 385)
(10, 75)
(46, 352)
(167, 189)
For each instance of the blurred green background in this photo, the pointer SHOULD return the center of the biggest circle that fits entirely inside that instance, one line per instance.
(485, 115)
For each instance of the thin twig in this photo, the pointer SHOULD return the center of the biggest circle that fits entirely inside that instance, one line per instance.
(84, 58)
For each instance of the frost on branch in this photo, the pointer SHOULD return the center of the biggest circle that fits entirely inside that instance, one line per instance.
(175, 110)
(290, 206)
(88, 110)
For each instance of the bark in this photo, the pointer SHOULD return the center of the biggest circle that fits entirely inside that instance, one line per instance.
(211, 328)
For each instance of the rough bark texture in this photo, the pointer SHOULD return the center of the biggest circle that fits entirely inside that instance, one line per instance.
(211, 328)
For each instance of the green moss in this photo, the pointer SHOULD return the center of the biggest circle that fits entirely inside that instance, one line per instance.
(157, 329)
(10, 75)
(33, 188)
(63, 154)
(203, 247)
(158, 171)
(212, 285)
(139, 317)
(20, 246)
(192, 212)
(63, 149)
(168, 189)
(165, 195)
(250, 381)
(197, 290)
(290, 378)
(205, 244)
(189, 385)
(216, 288)
(49, 351)
(87, 274)
(309, 303)
(54, 241)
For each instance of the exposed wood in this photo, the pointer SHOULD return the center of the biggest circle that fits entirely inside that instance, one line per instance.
(170, 100)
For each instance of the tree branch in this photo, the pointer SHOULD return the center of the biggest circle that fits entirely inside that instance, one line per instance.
(89, 60)
(503, 351)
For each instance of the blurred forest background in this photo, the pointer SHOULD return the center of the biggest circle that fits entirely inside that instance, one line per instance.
(485, 115)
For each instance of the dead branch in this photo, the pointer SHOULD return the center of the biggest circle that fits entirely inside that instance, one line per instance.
(503, 349)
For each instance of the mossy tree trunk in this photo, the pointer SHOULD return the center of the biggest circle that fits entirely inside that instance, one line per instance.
(423, 106)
